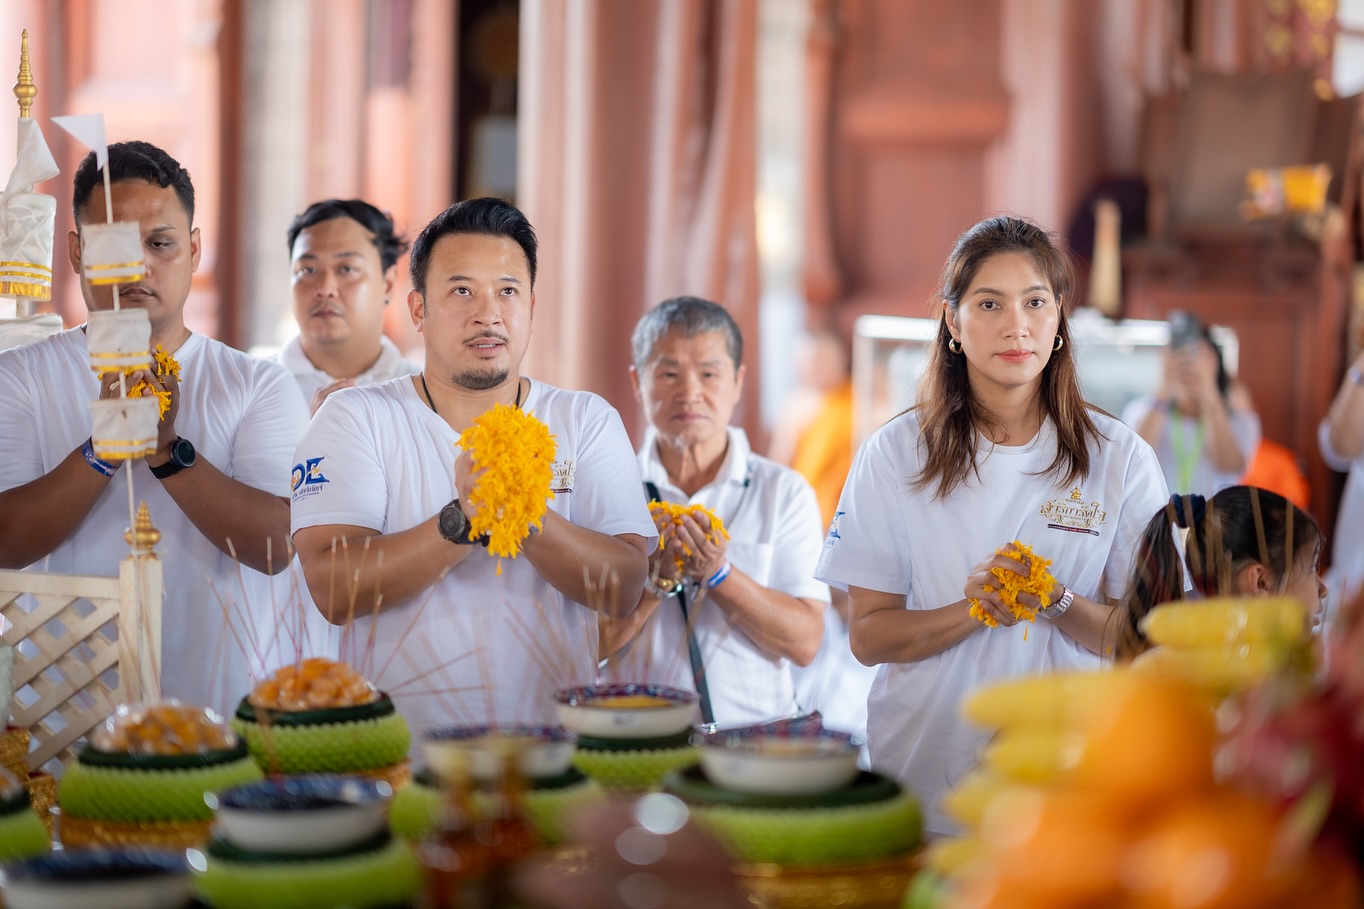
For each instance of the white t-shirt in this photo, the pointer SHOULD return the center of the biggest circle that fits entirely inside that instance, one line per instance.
(475, 647)
(243, 414)
(290, 590)
(1347, 545)
(390, 365)
(887, 536)
(774, 529)
(1204, 479)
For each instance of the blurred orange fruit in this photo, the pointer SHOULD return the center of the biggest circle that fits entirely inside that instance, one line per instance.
(1026, 832)
(1212, 852)
(1153, 743)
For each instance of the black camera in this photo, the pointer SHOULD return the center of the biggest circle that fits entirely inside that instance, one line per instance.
(1185, 329)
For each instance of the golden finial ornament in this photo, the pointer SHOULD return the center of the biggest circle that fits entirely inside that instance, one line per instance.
(24, 89)
(143, 537)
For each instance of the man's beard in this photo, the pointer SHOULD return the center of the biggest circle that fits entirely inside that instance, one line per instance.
(480, 380)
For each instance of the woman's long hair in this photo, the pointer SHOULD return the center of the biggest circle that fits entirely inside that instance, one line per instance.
(950, 417)
(1240, 526)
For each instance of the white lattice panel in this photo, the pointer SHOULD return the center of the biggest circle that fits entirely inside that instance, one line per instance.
(83, 645)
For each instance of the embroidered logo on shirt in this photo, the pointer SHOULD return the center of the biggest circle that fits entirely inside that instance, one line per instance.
(833, 534)
(565, 472)
(307, 479)
(1074, 515)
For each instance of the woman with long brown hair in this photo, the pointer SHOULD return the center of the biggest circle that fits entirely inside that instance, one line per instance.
(1001, 446)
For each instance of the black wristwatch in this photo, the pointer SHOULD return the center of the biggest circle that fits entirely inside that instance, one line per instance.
(182, 456)
(455, 526)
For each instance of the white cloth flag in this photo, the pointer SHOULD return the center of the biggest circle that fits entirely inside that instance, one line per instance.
(89, 128)
(28, 219)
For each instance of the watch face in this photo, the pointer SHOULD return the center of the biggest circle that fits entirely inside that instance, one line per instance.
(182, 453)
(454, 525)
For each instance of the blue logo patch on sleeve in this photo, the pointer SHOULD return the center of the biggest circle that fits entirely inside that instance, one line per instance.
(833, 530)
(308, 478)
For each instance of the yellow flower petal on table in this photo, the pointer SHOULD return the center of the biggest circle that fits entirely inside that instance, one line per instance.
(515, 451)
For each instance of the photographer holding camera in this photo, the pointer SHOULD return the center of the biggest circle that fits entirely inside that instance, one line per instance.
(1201, 424)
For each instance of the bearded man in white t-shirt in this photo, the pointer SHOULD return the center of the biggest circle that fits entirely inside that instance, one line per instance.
(380, 498)
(218, 482)
(343, 269)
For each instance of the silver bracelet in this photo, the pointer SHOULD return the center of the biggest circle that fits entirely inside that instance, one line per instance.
(1055, 610)
(1355, 376)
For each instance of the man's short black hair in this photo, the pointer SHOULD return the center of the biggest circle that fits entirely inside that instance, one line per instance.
(378, 223)
(132, 160)
(489, 216)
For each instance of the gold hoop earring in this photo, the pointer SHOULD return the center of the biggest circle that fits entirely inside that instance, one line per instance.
(1058, 343)
(954, 345)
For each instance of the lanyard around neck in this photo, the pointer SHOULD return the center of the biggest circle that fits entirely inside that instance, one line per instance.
(1186, 459)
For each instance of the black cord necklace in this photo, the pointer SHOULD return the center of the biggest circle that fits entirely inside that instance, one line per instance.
(432, 404)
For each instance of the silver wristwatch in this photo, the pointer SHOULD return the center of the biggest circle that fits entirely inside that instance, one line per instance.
(1055, 610)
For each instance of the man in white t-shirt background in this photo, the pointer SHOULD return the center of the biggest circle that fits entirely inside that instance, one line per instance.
(343, 270)
(380, 495)
(218, 480)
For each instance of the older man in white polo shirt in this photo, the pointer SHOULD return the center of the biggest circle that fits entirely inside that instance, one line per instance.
(754, 605)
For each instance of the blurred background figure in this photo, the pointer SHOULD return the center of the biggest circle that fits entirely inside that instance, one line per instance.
(814, 435)
(1341, 435)
(1200, 422)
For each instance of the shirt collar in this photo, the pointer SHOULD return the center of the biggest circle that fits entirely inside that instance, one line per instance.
(296, 361)
(733, 470)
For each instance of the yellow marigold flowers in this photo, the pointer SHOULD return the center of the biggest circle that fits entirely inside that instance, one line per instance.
(674, 513)
(515, 451)
(1038, 582)
(163, 364)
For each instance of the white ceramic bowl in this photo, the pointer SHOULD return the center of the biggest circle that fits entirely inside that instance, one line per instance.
(109, 879)
(626, 711)
(301, 815)
(806, 763)
(541, 751)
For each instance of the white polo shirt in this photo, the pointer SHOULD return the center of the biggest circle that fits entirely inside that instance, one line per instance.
(888, 536)
(774, 529)
(477, 647)
(390, 365)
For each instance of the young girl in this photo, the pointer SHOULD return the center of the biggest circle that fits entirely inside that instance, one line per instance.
(1242, 542)
(1001, 446)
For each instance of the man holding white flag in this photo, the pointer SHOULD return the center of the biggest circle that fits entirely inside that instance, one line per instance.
(218, 480)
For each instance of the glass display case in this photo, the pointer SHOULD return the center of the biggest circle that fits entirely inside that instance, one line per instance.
(1117, 361)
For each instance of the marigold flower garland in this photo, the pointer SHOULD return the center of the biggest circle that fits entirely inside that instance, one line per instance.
(163, 364)
(515, 451)
(674, 513)
(1037, 582)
